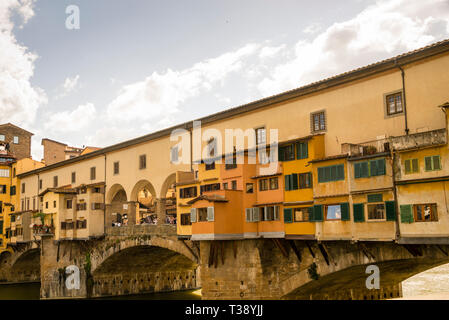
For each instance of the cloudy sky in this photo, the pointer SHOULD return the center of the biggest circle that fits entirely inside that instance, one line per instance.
(137, 66)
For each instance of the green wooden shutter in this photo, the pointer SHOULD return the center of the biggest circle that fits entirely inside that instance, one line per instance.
(310, 211)
(374, 197)
(407, 166)
(380, 167)
(333, 176)
(373, 168)
(287, 183)
(436, 163)
(364, 172)
(390, 207)
(341, 172)
(415, 165)
(406, 213)
(294, 178)
(280, 153)
(320, 174)
(357, 170)
(345, 211)
(327, 174)
(309, 181)
(318, 213)
(359, 214)
(302, 150)
(288, 216)
(428, 163)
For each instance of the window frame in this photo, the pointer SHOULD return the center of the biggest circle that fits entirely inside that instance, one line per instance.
(251, 188)
(257, 135)
(387, 105)
(322, 123)
(433, 163)
(368, 204)
(142, 161)
(433, 215)
(301, 209)
(326, 211)
(116, 168)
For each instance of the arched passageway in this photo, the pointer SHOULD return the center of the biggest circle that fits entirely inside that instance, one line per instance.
(26, 267)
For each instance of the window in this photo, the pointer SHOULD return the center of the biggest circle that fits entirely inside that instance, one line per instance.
(302, 151)
(234, 184)
(3, 188)
(287, 153)
(16, 140)
(370, 168)
(425, 212)
(55, 181)
(249, 188)
(69, 225)
(432, 163)
(73, 177)
(4, 173)
(28, 204)
(211, 146)
(97, 190)
(210, 166)
(261, 137)
(116, 167)
(411, 166)
(187, 192)
(225, 186)
(185, 219)
(209, 187)
(14, 172)
(13, 190)
(394, 103)
(376, 211)
(265, 157)
(263, 184)
(40, 184)
(143, 161)
(302, 214)
(202, 214)
(46, 205)
(54, 204)
(233, 165)
(333, 212)
(69, 204)
(331, 173)
(274, 184)
(269, 213)
(174, 154)
(318, 121)
(81, 224)
(92, 173)
(305, 180)
(97, 206)
(2, 137)
(81, 206)
(23, 188)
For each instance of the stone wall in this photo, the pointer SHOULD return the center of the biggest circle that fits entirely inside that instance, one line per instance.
(23, 148)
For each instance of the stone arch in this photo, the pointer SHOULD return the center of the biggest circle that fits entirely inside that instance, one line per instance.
(139, 186)
(169, 181)
(26, 266)
(396, 264)
(112, 192)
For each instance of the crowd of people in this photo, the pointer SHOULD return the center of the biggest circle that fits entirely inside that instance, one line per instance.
(149, 219)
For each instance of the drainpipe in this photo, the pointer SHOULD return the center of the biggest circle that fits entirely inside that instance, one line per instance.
(404, 95)
(395, 195)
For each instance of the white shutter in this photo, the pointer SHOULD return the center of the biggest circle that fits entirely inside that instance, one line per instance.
(256, 214)
(276, 212)
(265, 213)
(210, 213)
(193, 215)
(248, 214)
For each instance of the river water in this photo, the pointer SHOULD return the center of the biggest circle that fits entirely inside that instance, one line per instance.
(433, 282)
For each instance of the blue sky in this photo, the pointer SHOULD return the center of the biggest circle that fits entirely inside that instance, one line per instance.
(137, 66)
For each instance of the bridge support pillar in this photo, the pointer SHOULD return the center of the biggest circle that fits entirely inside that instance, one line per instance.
(55, 258)
(160, 211)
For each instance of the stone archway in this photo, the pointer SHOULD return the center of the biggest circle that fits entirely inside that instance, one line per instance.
(116, 205)
(145, 201)
(25, 267)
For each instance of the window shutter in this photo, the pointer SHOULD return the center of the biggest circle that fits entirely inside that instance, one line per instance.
(294, 178)
(287, 183)
(364, 169)
(276, 212)
(373, 168)
(181, 193)
(415, 165)
(333, 173)
(93, 206)
(374, 197)
(265, 213)
(428, 163)
(305, 150)
(193, 215)
(248, 214)
(357, 170)
(288, 218)
(407, 166)
(436, 163)
(345, 211)
(327, 174)
(318, 213)
(320, 174)
(390, 207)
(281, 154)
(298, 150)
(359, 214)
(210, 214)
(380, 167)
(256, 214)
(406, 213)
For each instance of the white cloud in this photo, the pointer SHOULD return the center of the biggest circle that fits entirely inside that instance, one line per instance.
(312, 29)
(378, 32)
(19, 100)
(158, 97)
(71, 121)
(270, 52)
(70, 84)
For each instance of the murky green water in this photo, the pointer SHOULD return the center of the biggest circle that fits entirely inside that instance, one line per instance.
(30, 291)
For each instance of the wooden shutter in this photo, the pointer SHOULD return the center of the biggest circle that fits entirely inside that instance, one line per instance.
(327, 174)
(318, 213)
(248, 214)
(276, 212)
(390, 207)
(415, 165)
(359, 214)
(374, 197)
(181, 193)
(287, 183)
(341, 172)
(294, 178)
(407, 166)
(380, 167)
(281, 154)
(345, 216)
(288, 217)
(364, 172)
(93, 205)
(333, 173)
(436, 163)
(406, 213)
(265, 213)
(256, 214)
(210, 214)
(373, 168)
(357, 170)
(193, 215)
(320, 174)
(428, 163)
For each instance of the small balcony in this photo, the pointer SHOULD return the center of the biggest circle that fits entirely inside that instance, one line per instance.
(419, 140)
(43, 230)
